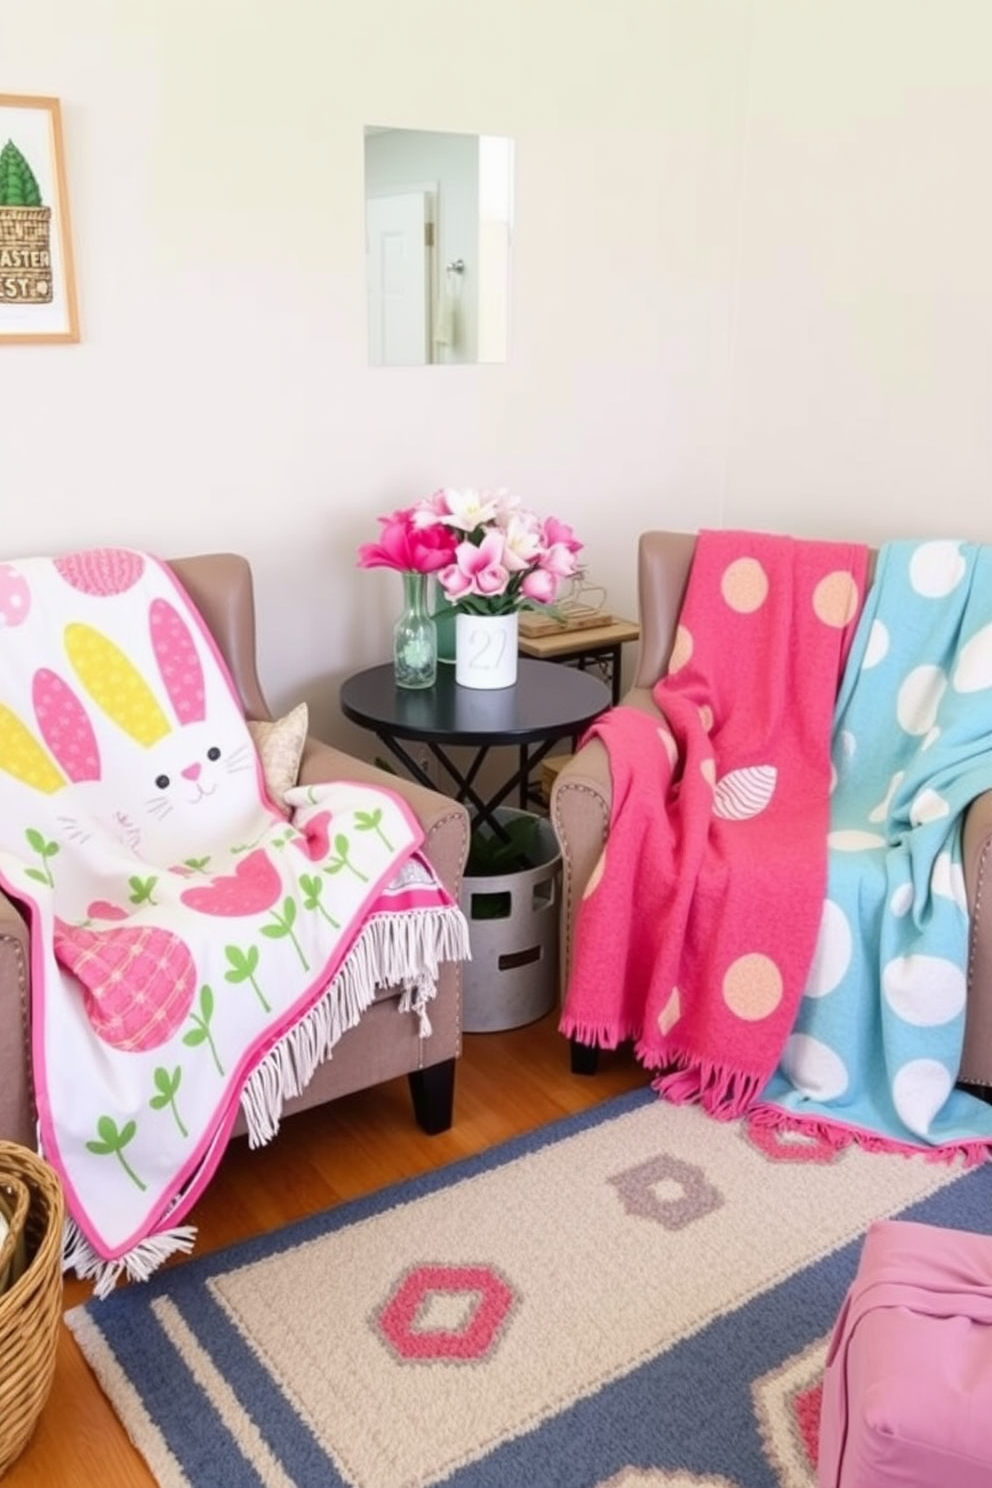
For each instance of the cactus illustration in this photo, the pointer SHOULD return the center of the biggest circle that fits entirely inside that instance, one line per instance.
(18, 186)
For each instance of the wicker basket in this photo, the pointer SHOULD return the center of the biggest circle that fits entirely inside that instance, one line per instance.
(30, 1309)
(15, 1201)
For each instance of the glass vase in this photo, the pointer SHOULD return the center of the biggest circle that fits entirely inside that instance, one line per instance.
(415, 636)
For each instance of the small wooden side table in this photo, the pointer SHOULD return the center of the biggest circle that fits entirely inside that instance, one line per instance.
(599, 645)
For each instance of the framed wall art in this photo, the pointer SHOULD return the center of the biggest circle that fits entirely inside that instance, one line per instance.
(37, 286)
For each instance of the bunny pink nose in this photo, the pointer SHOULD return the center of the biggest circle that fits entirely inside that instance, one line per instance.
(191, 772)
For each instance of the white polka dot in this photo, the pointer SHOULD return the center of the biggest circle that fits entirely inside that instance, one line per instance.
(924, 991)
(880, 813)
(901, 901)
(936, 569)
(833, 778)
(919, 698)
(814, 1068)
(919, 1091)
(928, 806)
(848, 744)
(947, 880)
(832, 956)
(931, 738)
(851, 840)
(973, 672)
(878, 645)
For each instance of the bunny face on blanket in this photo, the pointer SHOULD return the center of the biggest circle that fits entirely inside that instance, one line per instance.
(182, 924)
(171, 764)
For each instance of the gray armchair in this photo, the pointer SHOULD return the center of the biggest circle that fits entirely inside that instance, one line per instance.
(581, 805)
(384, 1043)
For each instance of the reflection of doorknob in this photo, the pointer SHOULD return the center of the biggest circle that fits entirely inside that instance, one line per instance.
(456, 266)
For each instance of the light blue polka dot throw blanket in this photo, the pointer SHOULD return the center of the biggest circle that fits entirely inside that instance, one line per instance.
(875, 1049)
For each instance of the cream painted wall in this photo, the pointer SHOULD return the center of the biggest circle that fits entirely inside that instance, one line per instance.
(751, 283)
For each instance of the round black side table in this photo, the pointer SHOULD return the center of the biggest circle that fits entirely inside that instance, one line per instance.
(548, 702)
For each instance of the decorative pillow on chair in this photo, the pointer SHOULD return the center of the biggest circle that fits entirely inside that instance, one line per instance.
(280, 745)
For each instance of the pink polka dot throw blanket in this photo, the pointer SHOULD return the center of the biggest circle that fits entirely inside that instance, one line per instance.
(197, 947)
(699, 922)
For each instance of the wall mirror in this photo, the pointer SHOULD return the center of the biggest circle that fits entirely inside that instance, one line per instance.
(438, 230)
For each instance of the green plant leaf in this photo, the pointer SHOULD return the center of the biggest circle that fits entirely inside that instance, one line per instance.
(243, 963)
(367, 821)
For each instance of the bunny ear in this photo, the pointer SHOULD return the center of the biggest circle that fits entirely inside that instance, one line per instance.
(114, 684)
(65, 727)
(23, 757)
(177, 661)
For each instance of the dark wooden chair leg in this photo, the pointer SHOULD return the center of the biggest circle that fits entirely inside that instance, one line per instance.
(585, 1058)
(433, 1092)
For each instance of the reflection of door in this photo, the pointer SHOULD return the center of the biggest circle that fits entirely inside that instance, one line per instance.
(396, 228)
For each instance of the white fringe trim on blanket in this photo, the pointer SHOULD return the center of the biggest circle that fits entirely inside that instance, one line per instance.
(391, 950)
(137, 1265)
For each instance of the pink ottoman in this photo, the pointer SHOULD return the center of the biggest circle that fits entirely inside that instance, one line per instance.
(907, 1395)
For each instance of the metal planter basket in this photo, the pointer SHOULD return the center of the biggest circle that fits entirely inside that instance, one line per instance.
(31, 1305)
(512, 978)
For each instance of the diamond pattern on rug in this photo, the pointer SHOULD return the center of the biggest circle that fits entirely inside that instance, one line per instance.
(787, 1409)
(452, 1313)
(694, 1196)
(790, 1146)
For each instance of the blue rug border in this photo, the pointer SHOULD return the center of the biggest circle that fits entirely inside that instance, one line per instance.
(134, 1336)
(209, 1457)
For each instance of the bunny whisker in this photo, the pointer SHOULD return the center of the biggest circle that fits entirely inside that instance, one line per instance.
(74, 829)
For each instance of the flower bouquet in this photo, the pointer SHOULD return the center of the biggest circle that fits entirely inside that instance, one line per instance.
(491, 557)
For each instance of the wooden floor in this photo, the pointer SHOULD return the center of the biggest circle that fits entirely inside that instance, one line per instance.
(506, 1083)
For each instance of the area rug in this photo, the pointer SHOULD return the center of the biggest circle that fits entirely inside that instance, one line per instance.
(637, 1297)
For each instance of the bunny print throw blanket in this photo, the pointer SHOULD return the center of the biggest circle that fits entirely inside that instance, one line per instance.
(195, 945)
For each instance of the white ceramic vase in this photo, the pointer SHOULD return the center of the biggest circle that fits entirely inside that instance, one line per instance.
(486, 650)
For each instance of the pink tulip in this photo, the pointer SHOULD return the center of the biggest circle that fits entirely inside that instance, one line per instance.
(403, 545)
(476, 570)
(560, 560)
(556, 532)
(540, 586)
(482, 546)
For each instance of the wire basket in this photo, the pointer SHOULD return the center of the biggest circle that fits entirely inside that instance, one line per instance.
(31, 1307)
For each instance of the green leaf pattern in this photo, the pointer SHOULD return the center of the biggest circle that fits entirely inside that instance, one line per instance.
(243, 962)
